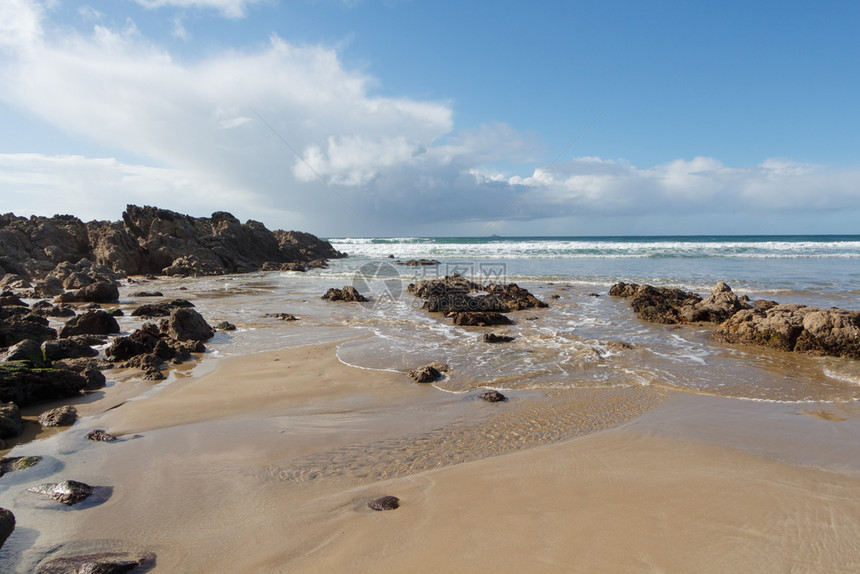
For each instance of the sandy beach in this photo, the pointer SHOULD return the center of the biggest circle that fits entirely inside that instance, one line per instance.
(265, 463)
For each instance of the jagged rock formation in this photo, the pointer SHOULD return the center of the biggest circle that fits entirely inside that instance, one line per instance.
(669, 306)
(148, 240)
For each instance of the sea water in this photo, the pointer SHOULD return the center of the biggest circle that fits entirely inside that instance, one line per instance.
(585, 339)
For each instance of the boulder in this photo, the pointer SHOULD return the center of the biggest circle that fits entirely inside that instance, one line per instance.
(73, 348)
(46, 309)
(8, 299)
(419, 262)
(721, 304)
(16, 329)
(25, 386)
(385, 503)
(347, 294)
(225, 326)
(161, 309)
(426, 374)
(188, 325)
(479, 319)
(59, 417)
(7, 525)
(95, 322)
(11, 423)
(98, 292)
(118, 562)
(514, 296)
(15, 463)
(26, 350)
(68, 492)
(147, 294)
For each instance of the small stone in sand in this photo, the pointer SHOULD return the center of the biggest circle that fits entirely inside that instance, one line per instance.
(59, 417)
(493, 396)
(100, 435)
(385, 503)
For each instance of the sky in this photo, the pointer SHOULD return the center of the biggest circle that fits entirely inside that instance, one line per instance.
(437, 118)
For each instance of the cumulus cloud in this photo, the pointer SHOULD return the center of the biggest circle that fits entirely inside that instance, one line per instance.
(254, 130)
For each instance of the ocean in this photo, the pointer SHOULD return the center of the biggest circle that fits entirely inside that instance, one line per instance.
(585, 339)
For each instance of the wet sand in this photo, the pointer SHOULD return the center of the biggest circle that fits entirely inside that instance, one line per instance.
(266, 462)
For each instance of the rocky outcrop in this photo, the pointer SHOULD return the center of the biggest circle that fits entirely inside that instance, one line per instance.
(801, 328)
(160, 309)
(347, 294)
(148, 240)
(68, 492)
(670, 306)
(15, 328)
(97, 292)
(426, 374)
(186, 324)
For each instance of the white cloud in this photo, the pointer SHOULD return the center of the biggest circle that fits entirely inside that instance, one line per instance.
(395, 160)
(229, 8)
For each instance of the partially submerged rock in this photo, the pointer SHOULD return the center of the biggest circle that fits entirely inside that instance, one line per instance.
(94, 322)
(347, 294)
(493, 396)
(15, 463)
(385, 503)
(479, 319)
(670, 306)
(419, 262)
(99, 292)
(98, 563)
(493, 338)
(800, 328)
(59, 417)
(26, 386)
(11, 423)
(428, 373)
(186, 324)
(68, 492)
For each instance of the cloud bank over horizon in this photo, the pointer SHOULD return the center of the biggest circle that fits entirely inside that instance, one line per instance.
(287, 134)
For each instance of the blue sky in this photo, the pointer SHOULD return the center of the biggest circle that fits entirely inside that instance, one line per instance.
(399, 117)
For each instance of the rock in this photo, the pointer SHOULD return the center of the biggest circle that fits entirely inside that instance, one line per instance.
(161, 309)
(17, 329)
(26, 386)
(291, 266)
(59, 417)
(147, 294)
(348, 294)
(721, 304)
(26, 350)
(453, 283)
(425, 374)
(14, 463)
(46, 309)
(188, 325)
(8, 299)
(492, 396)
(514, 296)
(14, 281)
(73, 348)
(100, 435)
(385, 503)
(11, 423)
(225, 326)
(800, 328)
(493, 338)
(68, 492)
(50, 287)
(283, 316)
(151, 364)
(7, 525)
(95, 322)
(98, 563)
(623, 290)
(98, 292)
(478, 319)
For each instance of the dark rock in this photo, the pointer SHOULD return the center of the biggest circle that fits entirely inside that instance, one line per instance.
(188, 325)
(151, 364)
(385, 503)
(493, 338)
(46, 309)
(83, 364)
(26, 350)
(427, 373)
(99, 292)
(14, 330)
(478, 319)
(68, 492)
(453, 283)
(59, 417)
(161, 309)
(67, 349)
(14, 281)
(98, 563)
(283, 316)
(493, 396)
(100, 435)
(348, 294)
(11, 423)
(147, 294)
(514, 296)
(26, 386)
(623, 290)
(8, 299)
(7, 525)
(763, 304)
(14, 463)
(96, 322)
(419, 262)
(291, 266)
(50, 287)
(225, 326)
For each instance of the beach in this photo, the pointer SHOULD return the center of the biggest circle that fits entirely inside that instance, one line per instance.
(672, 453)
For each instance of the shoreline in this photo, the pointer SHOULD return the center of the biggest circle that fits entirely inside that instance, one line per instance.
(248, 469)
